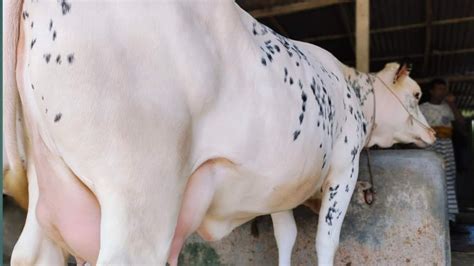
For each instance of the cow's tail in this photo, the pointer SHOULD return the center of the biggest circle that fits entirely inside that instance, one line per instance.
(15, 180)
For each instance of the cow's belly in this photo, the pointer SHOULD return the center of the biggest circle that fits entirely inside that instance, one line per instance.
(242, 194)
(67, 210)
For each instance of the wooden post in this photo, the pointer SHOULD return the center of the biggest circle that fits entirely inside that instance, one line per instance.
(362, 35)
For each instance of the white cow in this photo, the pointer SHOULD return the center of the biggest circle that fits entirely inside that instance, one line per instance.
(149, 121)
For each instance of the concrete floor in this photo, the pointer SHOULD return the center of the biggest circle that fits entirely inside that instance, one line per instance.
(462, 258)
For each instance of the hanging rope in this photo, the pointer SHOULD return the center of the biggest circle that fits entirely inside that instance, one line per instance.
(405, 108)
(369, 193)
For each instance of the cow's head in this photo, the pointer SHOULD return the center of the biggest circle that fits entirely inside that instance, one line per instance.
(398, 117)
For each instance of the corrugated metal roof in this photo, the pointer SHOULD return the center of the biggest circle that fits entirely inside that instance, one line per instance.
(389, 13)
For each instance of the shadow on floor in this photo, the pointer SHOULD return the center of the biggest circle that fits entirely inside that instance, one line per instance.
(13, 221)
(462, 241)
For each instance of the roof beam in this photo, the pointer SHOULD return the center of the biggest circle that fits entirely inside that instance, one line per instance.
(428, 30)
(392, 29)
(451, 78)
(409, 56)
(434, 52)
(294, 7)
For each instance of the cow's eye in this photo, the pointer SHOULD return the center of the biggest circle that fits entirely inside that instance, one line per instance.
(417, 95)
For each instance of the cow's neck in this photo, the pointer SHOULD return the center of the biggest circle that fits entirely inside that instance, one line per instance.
(363, 86)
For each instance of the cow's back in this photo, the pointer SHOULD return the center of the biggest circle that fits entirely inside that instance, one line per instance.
(169, 64)
(94, 67)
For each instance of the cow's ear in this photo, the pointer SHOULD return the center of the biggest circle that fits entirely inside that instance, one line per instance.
(402, 72)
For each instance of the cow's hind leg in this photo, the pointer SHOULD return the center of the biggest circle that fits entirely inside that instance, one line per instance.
(337, 192)
(197, 199)
(139, 215)
(136, 230)
(285, 231)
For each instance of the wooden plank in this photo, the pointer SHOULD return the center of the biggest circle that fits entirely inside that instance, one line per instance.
(451, 52)
(328, 37)
(294, 7)
(410, 56)
(392, 29)
(450, 78)
(453, 21)
(362, 35)
(434, 52)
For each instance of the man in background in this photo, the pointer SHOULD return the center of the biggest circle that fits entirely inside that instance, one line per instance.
(440, 111)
